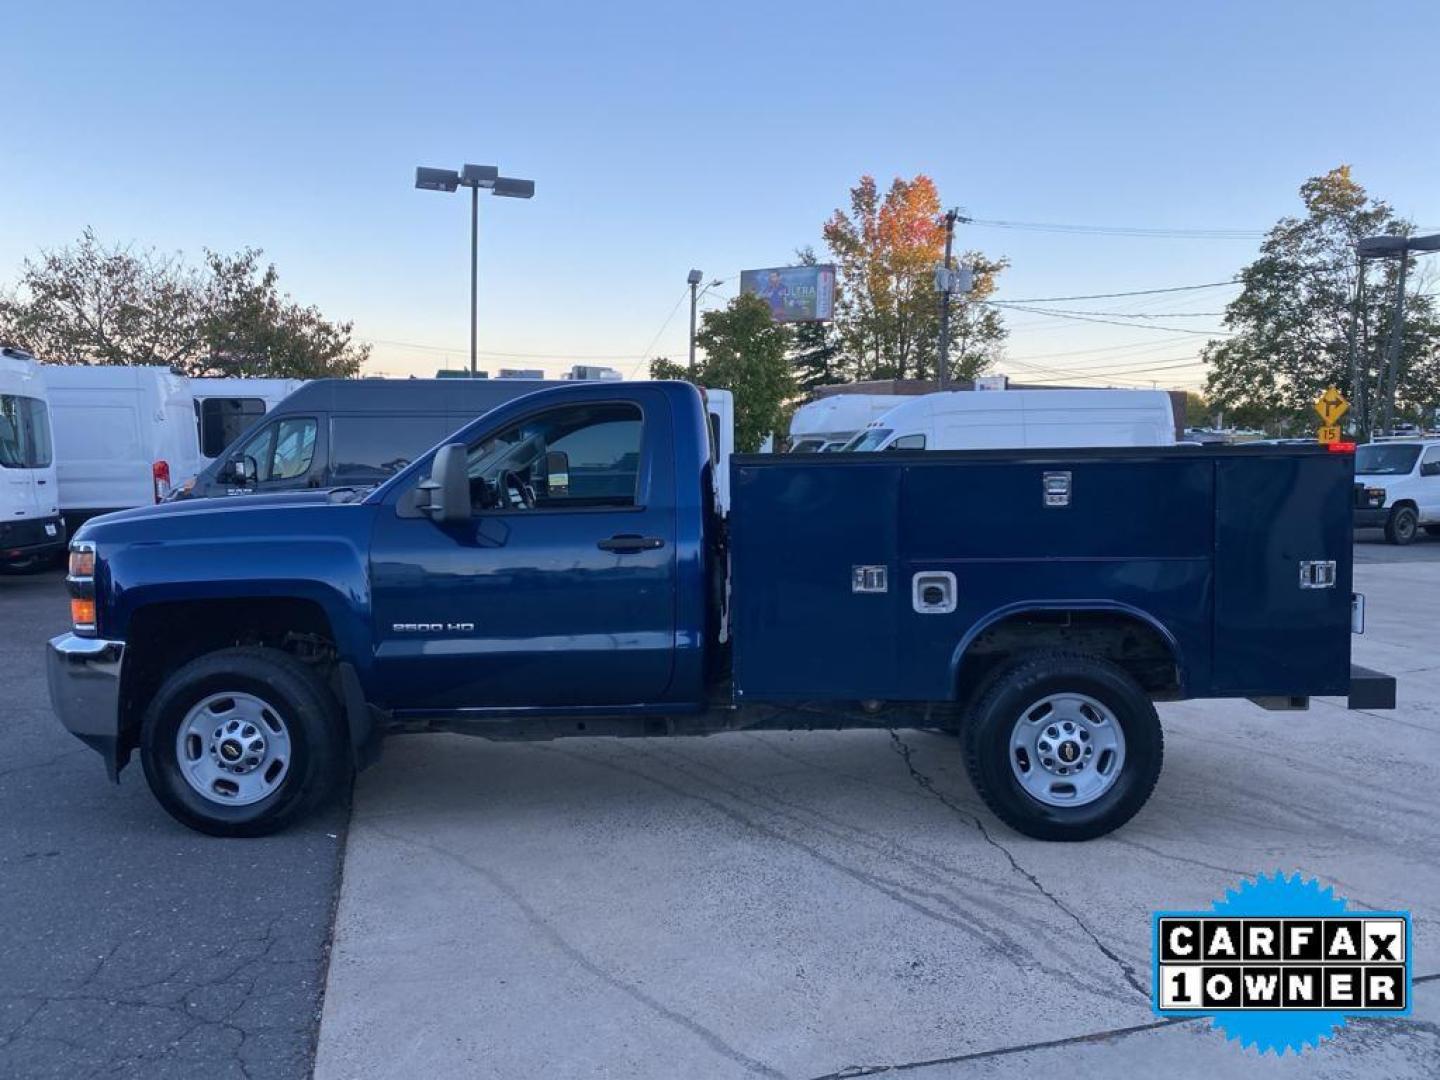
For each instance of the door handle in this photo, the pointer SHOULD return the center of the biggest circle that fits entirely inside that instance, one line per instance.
(629, 543)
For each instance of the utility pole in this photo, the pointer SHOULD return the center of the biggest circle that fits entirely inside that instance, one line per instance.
(943, 365)
(693, 278)
(1391, 374)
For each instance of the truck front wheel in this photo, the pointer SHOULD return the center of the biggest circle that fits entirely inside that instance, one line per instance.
(1064, 746)
(243, 741)
(1402, 525)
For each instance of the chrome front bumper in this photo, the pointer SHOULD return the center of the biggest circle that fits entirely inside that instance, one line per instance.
(84, 677)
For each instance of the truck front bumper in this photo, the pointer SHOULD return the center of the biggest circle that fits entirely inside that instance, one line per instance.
(84, 677)
(1371, 517)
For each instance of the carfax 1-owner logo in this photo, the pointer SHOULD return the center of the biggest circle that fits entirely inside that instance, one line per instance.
(1280, 963)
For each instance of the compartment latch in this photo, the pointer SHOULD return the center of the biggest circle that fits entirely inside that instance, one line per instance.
(1317, 573)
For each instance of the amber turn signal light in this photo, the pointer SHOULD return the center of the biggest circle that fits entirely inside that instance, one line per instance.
(82, 613)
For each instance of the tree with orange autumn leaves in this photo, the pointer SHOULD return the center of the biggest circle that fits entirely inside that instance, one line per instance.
(887, 311)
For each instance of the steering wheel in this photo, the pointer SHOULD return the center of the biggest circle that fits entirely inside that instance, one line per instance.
(515, 492)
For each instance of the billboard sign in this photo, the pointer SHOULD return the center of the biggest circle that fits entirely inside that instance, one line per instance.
(794, 293)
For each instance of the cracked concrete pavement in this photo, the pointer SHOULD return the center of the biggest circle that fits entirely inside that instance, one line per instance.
(132, 947)
(834, 904)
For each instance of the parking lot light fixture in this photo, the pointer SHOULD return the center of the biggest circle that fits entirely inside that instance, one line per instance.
(1391, 246)
(474, 177)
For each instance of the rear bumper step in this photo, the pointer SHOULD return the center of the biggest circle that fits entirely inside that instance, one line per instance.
(1370, 689)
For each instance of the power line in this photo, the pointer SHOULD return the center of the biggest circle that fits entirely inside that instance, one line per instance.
(663, 326)
(1123, 314)
(1115, 322)
(502, 355)
(1112, 295)
(1121, 230)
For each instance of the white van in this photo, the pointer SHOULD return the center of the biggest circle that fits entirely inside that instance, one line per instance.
(829, 422)
(226, 407)
(720, 408)
(121, 434)
(31, 530)
(1019, 419)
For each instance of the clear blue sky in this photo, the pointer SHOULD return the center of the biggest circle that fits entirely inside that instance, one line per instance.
(720, 136)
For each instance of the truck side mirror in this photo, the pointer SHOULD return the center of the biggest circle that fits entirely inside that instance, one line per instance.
(557, 472)
(445, 493)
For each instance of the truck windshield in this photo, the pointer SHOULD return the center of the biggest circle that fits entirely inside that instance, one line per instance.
(24, 433)
(869, 439)
(1378, 459)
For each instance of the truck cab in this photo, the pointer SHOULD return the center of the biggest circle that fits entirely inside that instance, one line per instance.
(32, 532)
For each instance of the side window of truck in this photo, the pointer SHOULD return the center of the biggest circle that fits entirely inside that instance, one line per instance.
(574, 457)
(908, 442)
(1430, 463)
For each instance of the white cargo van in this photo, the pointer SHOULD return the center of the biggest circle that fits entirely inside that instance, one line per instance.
(828, 423)
(1017, 419)
(226, 407)
(121, 434)
(31, 531)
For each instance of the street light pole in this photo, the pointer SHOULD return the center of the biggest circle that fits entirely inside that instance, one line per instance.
(1392, 351)
(474, 177)
(693, 278)
(474, 274)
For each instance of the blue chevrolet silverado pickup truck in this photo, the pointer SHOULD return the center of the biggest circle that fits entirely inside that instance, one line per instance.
(559, 568)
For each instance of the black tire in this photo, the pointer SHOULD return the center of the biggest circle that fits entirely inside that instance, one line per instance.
(1402, 525)
(1010, 694)
(319, 760)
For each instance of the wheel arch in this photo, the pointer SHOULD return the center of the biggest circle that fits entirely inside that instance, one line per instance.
(1127, 635)
(166, 633)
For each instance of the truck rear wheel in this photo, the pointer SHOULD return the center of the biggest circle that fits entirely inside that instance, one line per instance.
(1063, 746)
(242, 742)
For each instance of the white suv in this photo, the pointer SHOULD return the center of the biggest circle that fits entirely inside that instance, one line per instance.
(1397, 488)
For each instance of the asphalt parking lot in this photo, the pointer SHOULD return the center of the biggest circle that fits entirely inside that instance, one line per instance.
(130, 946)
(796, 905)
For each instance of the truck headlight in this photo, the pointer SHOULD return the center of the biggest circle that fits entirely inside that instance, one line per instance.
(1375, 497)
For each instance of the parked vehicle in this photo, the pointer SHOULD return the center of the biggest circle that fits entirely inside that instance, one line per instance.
(1016, 419)
(32, 532)
(1397, 488)
(359, 432)
(349, 432)
(828, 423)
(558, 567)
(121, 435)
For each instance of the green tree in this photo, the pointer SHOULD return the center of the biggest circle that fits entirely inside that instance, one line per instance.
(93, 304)
(745, 353)
(662, 367)
(1291, 326)
(886, 249)
(815, 354)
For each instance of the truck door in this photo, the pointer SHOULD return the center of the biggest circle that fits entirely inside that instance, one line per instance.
(559, 590)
